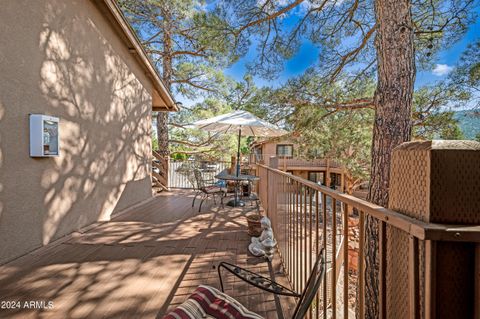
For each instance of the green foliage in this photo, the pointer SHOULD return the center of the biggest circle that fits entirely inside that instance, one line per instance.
(330, 127)
(469, 122)
(326, 126)
(330, 106)
(182, 35)
(431, 119)
(202, 144)
(439, 125)
(179, 157)
(438, 25)
(343, 30)
(466, 76)
(190, 46)
(344, 137)
(242, 95)
(154, 142)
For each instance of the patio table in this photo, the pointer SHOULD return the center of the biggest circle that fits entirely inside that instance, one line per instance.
(236, 202)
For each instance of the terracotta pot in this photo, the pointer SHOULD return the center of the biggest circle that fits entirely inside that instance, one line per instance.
(254, 225)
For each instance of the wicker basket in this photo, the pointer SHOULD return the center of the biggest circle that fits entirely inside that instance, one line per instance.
(254, 225)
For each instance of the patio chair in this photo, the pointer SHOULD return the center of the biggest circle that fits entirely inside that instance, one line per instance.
(252, 196)
(209, 302)
(206, 188)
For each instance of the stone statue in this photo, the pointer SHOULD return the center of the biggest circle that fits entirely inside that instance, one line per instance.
(263, 245)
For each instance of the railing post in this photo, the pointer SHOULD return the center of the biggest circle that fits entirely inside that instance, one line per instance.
(361, 267)
(327, 172)
(167, 170)
(477, 281)
(382, 265)
(434, 182)
(267, 192)
(233, 164)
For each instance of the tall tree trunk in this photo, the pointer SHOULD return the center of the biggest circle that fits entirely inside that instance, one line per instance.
(394, 44)
(162, 117)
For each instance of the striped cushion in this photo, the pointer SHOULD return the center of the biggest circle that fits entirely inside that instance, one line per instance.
(208, 302)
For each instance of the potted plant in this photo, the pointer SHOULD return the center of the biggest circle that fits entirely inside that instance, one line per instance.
(254, 225)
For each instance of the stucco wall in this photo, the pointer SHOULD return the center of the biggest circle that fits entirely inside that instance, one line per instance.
(63, 58)
(269, 150)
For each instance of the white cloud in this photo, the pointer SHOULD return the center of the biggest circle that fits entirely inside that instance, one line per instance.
(305, 6)
(442, 69)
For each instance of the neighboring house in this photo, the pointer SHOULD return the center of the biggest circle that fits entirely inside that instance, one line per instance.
(281, 153)
(79, 61)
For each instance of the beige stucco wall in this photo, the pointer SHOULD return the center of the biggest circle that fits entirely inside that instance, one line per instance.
(63, 58)
(269, 150)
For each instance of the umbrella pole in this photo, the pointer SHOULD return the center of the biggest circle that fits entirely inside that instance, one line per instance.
(237, 200)
(238, 151)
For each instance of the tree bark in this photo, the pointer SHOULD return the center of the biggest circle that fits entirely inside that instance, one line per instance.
(394, 44)
(162, 117)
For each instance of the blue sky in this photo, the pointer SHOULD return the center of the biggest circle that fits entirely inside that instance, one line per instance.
(308, 55)
(450, 56)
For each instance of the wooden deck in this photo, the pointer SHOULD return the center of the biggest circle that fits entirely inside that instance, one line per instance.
(139, 265)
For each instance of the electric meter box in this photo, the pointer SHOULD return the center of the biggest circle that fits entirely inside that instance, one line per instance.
(44, 137)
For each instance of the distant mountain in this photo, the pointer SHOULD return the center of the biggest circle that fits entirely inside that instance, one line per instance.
(469, 122)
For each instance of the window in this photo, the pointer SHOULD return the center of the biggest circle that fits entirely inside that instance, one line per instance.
(317, 177)
(284, 150)
(257, 153)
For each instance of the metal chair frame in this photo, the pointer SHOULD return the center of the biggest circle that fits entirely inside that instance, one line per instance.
(253, 197)
(266, 284)
(202, 189)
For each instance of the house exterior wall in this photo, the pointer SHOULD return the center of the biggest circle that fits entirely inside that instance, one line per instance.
(269, 149)
(302, 174)
(301, 167)
(65, 59)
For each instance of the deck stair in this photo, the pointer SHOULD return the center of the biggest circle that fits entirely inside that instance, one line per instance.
(159, 171)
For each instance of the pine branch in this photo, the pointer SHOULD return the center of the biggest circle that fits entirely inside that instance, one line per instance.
(269, 17)
(193, 152)
(193, 84)
(350, 56)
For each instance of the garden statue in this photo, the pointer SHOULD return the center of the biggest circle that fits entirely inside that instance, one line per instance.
(263, 245)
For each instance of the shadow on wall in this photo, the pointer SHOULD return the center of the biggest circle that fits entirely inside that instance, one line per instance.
(104, 112)
(2, 113)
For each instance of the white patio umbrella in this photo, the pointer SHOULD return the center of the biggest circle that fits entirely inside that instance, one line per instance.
(244, 122)
(247, 123)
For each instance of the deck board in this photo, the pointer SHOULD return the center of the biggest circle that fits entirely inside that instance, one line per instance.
(139, 265)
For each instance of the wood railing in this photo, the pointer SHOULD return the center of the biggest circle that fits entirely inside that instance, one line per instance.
(306, 217)
(292, 162)
(181, 172)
